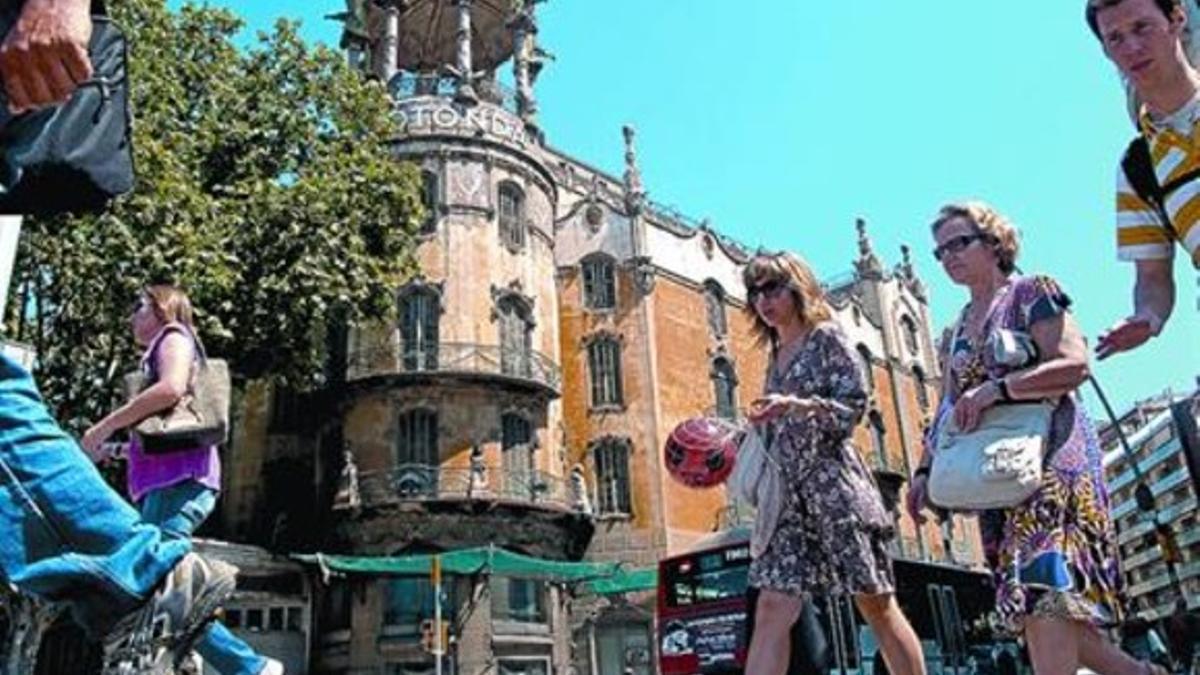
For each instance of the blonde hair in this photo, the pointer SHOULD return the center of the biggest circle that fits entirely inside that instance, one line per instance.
(989, 222)
(170, 303)
(790, 270)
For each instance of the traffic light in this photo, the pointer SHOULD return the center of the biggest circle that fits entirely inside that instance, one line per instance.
(428, 636)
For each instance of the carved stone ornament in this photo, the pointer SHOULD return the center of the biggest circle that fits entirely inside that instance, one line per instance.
(593, 216)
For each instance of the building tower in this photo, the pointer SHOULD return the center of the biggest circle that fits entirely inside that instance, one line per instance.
(450, 432)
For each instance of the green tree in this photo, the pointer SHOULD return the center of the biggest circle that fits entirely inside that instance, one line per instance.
(266, 187)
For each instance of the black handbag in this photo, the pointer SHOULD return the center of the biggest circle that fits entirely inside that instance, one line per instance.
(77, 156)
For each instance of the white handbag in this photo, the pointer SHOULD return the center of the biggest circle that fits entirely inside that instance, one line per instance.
(996, 466)
(756, 480)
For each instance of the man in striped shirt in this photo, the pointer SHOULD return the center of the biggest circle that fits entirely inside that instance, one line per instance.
(1145, 39)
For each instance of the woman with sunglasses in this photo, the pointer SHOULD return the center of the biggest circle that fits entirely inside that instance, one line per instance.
(178, 490)
(1054, 557)
(833, 530)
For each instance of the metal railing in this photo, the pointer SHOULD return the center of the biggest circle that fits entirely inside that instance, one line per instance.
(454, 358)
(1168, 514)
(1147, 463)
(425, 482)
(410, 85)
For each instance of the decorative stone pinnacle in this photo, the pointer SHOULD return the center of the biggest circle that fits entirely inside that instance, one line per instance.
(867, 265)
(635, 192)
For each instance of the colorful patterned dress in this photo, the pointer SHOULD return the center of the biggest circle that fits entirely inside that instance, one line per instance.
(1054, 556)
(833, 529)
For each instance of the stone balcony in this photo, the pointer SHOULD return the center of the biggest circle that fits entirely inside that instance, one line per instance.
(459, 360)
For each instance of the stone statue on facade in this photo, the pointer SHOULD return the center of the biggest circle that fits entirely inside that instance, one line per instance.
(479, 473)
(579, 493)
(348, 496)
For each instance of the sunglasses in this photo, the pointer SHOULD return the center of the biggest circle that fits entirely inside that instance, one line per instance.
(767, 289)
(956, 245)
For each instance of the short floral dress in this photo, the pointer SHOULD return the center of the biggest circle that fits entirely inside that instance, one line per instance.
(833, 529)
(1054, 556)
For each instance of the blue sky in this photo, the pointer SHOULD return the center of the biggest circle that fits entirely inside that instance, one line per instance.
(783, 121)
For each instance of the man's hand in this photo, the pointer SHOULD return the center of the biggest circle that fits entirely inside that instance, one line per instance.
(1127, 334)
(44, 57)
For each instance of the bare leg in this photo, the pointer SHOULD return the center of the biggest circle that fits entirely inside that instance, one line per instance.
(897, 641)
(1053, 645)
(770, 647)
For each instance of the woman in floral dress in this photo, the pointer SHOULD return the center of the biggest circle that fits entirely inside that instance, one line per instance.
(1054, 557)
(832, 532)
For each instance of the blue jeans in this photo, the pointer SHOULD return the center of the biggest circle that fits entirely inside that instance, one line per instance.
(179, 510)
(65, 535)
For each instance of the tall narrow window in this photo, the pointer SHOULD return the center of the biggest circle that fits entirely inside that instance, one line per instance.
(417, 438)
(599, 282)
(921, 387)
(512, 215)
(420, 311)
(714, 301)
(611, 457)
(604, 366)
(725, 388)
(516, 337)
(908, 328)
(875, 420)
(429, 200)
(516, 448)
(864, 358)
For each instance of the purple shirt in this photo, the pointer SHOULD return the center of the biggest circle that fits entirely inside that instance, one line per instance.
(153, 472)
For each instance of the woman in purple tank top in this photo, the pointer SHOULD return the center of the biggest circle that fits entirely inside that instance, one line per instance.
(177, 490)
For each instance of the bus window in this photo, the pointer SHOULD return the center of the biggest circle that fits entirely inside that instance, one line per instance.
(708, 577)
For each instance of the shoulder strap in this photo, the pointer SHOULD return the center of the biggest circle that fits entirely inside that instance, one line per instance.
(1139, 171)
(1138, 166)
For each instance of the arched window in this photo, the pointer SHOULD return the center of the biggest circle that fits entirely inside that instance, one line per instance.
(599, 282)
(511, 202)
(429, 200)
(725, 388)
(604, 368)
(420, 312)
(610, 457)
(714, 301)
(908, 329)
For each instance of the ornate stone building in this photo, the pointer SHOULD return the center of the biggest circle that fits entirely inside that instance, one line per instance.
(561, 324)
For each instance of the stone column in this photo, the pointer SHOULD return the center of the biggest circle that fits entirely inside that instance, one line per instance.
(524, 30)
(391, 44)
(466, 92)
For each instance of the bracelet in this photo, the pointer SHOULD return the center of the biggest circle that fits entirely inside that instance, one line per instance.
(1005, 394)
(922, 470)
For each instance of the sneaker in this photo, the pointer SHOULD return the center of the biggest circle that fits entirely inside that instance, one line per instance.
(272, 667)
(151, 639)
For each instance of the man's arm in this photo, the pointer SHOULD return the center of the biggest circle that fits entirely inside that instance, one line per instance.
(1153, 301)
(44, 56)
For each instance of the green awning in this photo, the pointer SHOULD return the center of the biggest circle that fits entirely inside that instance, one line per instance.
(625, 581)
(466, 562)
